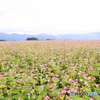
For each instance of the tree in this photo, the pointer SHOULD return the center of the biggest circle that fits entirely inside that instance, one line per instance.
(33, 38)
(48, 39)
(3, 40)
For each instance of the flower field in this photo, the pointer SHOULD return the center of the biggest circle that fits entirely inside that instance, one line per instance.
(49, 70)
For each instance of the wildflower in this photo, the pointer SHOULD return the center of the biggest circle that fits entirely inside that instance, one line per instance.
(41, 65)
(7, 91)
(89, 78)
(35, 77)
(46, 75)
(34, 97)
(76, 87)
(62, 92)
(81, 80)
(68, 91)
(47, 97)
(40, 76)
(32, 91)
(72, 89)
(75, 91)
(18, 93)
(91, 99)
(2, 63)
(65, 87)
(9, 69)
(52, 88)
(90, 68)
(1, 76)
(51, 84)
(14, 85)
(85, 83)
(42, 87)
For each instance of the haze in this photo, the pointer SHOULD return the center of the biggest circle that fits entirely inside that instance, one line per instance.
(53, 17)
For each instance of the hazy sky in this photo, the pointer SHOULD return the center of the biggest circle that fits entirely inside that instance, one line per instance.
(49, 16)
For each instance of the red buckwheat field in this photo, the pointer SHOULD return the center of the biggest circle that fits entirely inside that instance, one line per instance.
(49, 70)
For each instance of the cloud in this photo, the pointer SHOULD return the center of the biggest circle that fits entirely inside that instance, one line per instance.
(54, 16)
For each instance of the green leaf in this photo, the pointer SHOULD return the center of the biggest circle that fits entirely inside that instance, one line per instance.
(15, 91)
(39, 97)
(76, 98)
(96, 72)
(97, 97)
(98, 90)
(1, 97)
(2, 86)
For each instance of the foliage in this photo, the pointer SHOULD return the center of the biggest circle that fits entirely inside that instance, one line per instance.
(33, 38)
(49, 70)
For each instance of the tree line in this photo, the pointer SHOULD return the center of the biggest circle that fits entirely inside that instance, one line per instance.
(30, 38)
(3, 40)
(34, 38)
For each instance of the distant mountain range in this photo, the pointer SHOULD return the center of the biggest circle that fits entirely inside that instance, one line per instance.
(19, 37)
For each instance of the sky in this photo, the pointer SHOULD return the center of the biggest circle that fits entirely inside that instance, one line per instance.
(49, 16)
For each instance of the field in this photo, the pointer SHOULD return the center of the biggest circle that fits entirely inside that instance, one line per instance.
(49, 70)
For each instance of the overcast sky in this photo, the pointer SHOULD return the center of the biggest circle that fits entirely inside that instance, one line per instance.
(49, 16)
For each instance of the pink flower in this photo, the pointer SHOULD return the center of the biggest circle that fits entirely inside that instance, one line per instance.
(46, 98)
(28, 93)
(35, 77)
(51, 84)
(41, 65)
(91, 99)
(62, 92)
(19, 99)
(2, 63)
(1, 76)
(81, 80)
(14, 85)
(85, 83)
(36, 69)
(75, 91)
(9, 99)
(18, 93)
(69, 80)
(32, 91)
(68, 91)
(42, 87)
(40, 76)
(46, 75)
(72, 89)
(34, 97)
(65, 87)
(52, 88)
(7, 91)
(90, 68)
(76, 87)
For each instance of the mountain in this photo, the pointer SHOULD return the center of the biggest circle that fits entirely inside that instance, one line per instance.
(19, 37)
(88, 36)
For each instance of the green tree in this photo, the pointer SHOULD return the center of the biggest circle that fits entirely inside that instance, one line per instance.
(33, 38)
